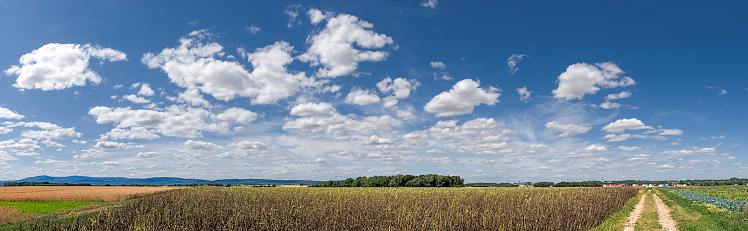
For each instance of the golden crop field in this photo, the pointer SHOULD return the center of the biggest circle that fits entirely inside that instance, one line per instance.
(213, 208)
(76, 193)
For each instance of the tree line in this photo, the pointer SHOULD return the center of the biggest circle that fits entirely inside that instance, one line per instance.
(429, 180)
(43, 183)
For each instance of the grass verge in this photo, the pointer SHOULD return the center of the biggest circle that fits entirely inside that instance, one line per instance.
(650, 219)
(46, 207)
(28, 214)
(692, 215)
(618, 220)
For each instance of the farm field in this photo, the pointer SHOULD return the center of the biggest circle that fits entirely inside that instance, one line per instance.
(76, 193)
(707, 208)
(214, 208)
(25, 203)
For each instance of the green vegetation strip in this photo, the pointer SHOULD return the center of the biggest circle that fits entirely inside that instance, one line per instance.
(45, 207)
(692, 215)
(727, 198)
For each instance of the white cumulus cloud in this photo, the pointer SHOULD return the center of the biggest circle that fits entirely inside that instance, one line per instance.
(567, 129)
(361, 97)
(323, 118)
(462, 99)
(237, 115)
(338, 46)
(621, 125)
(58, 66)
(8, 114)
(622, 95)
(400, 87)
(172, 121)
(581, 79)
(194, 65)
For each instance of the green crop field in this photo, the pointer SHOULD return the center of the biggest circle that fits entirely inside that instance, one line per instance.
(45, 207)
(213, 208)
(730, 198)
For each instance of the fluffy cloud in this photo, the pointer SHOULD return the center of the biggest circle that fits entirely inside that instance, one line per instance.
(513, 60)
(610, 105)
(477, 136)
(622, 137)
(462, 99)
(439, 65)
(23, 145)
(50, 130)
(361, 97)
(116, 145)
(200, 145)
(622, 95)
(8, 114)
(173, 121)
(194, 65)
(316, 16)
(135, 99)
(621, 125)
(145, 89)
(582, 78)
(193, 97)
(677, 152)
(250, 145)
(629, 148)
(313, 110)
(148, 154)
(449, 161)
(666, 132)
(130, 134)
(429, 3)
(524, 94)
(704, 150)
(567, 129)
(58, 66)
(399, 87)
(333, 46)
(237, 115)
(323, 118)
(595, 148)
(252, 29)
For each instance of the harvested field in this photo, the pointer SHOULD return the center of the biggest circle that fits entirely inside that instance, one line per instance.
(76, 193)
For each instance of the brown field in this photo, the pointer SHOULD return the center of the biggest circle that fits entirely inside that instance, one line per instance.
(9, 215)
(76, 193)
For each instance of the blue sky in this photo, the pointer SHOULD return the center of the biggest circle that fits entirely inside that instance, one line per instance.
(492, 91)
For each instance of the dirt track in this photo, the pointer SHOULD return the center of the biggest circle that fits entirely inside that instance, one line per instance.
(663, 212)
(638, 208)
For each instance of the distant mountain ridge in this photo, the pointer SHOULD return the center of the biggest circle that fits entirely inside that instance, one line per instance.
(156, 180)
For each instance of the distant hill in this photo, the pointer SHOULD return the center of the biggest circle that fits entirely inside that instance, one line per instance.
(156, 180)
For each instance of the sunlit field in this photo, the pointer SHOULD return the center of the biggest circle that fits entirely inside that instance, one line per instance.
(76, 193)
(214, 208)
(18, 204)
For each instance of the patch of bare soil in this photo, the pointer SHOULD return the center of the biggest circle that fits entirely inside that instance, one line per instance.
(638, 208)
(663, 211)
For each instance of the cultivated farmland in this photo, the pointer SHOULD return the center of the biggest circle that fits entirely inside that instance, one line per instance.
(213, 208)
(75, 193)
